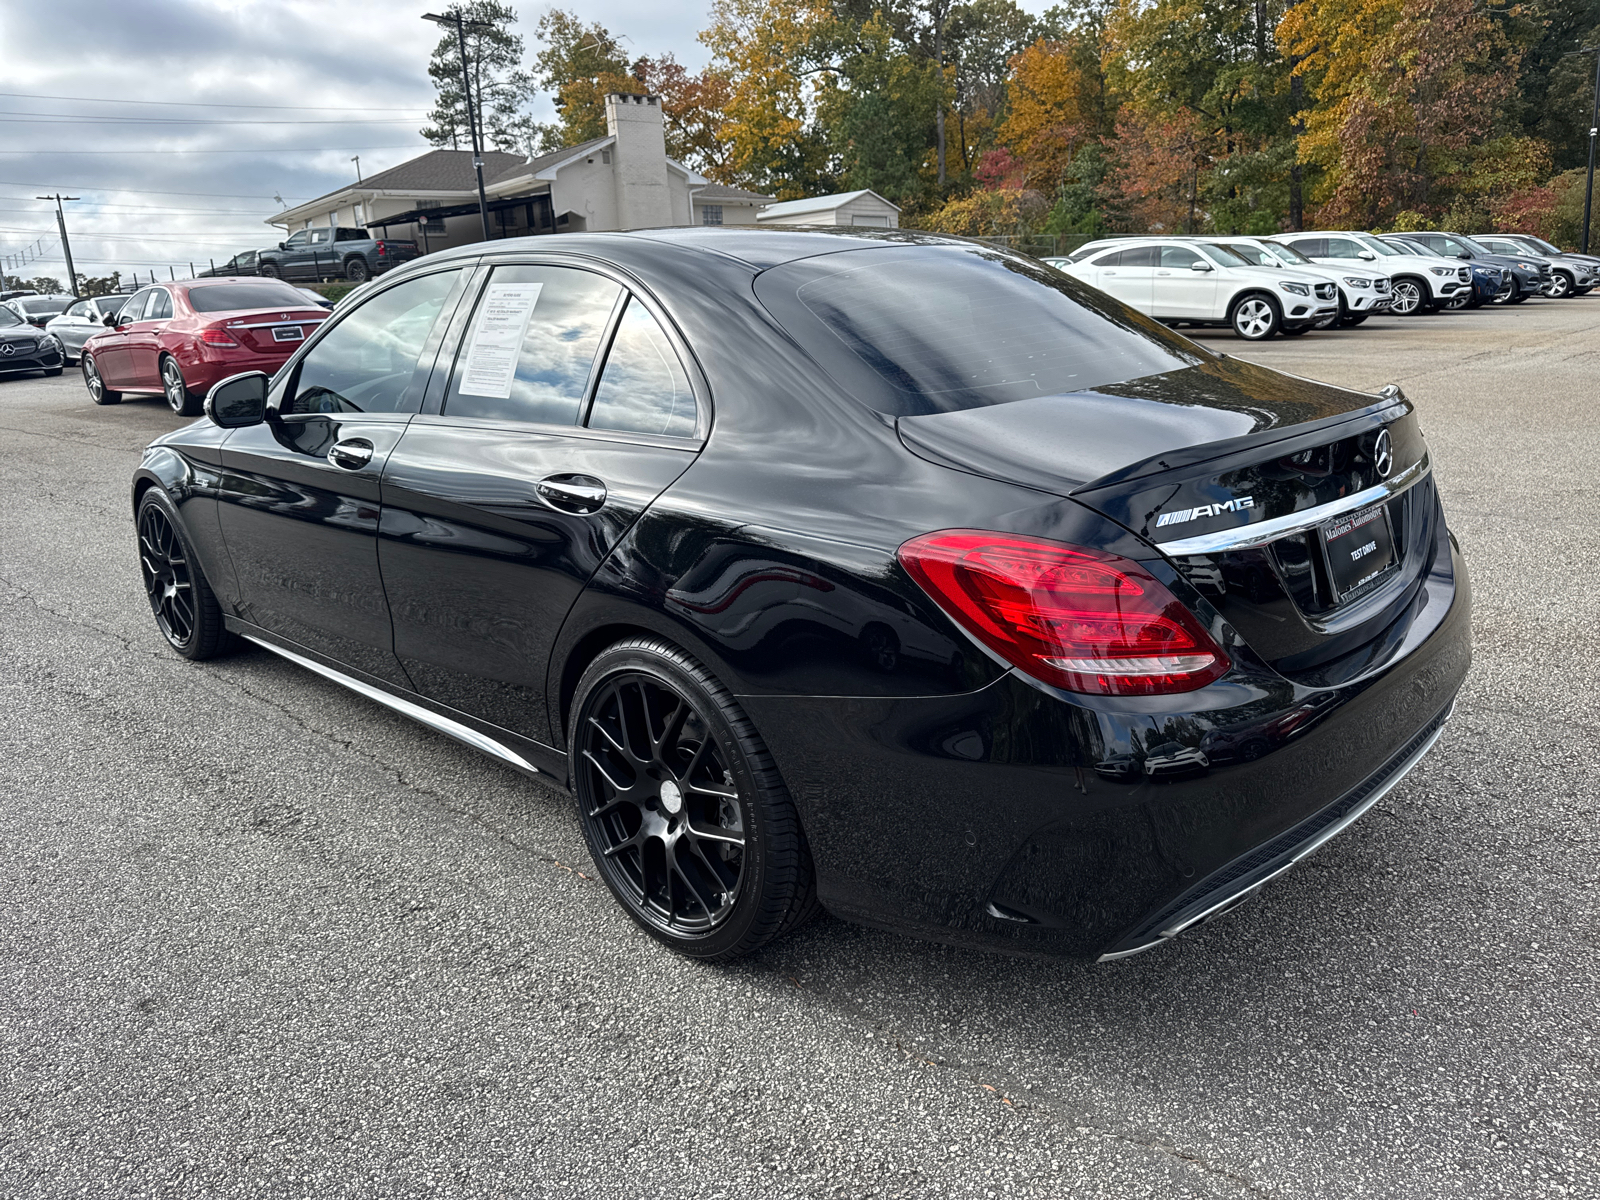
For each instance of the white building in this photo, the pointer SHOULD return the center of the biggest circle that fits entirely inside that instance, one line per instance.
(621, 181)
(715, 204)
(865, 207)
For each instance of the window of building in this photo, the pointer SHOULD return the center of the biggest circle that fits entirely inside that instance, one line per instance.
(431, 224)
(711, 214)
(531, 346)
(643, 388)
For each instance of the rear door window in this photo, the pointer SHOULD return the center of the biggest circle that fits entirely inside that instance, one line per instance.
(160, 306)
(1141, 256)
(1342, 248)
(643, 387)
(1311, 247)
(529, 351)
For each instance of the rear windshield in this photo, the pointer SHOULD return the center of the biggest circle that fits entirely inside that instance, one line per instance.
(50, 304)
(225, 297)
(913, 330)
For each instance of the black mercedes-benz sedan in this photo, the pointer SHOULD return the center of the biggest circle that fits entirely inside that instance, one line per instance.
(24, 348)
(881, 572)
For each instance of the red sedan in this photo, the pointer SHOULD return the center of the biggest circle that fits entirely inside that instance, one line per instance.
(178, 339)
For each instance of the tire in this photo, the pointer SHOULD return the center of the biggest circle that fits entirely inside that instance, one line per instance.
(179, 398)
(52, 372)
(1519, 297)
(1255, 317)
(1509, 291)
(357, 271)
(1407, 297)
(268, 270)
(1459, 301)
(1354, 319)
(1560, 286)
(646, 715)
(185, 609)
(1296, 331)
(98, 391)
(1582, 291)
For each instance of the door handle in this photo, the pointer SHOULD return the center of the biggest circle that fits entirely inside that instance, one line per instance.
(352, 454)
(572, 493)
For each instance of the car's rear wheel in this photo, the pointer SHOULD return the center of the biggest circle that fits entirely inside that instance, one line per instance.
(1406, 297)
(1560, 286)
(357, 271)
(268, 270)
(185, 609)
(179, 398)
(98, 391)
(1255, 318)
(683, 810)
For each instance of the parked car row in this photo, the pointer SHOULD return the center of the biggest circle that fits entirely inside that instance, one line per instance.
(1323, 279)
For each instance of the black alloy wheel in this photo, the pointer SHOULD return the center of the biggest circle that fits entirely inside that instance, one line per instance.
(179, 398)
(1406, 297)
(98, 391)
(357, 271)
(268, 270)
(1560, 286)
(683, 811)
(186, 612)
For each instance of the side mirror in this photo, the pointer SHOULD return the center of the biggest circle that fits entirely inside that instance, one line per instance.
(1366, 254)
(283, 245)
(238, 400)
(1200, 266)
(109, 320)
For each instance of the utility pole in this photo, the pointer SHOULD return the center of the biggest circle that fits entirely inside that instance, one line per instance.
(72, 275)
(357, 161)
(1594, 128)
(454, 17)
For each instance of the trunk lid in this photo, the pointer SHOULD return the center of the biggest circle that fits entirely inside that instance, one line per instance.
(1304, 513)
(269, 330)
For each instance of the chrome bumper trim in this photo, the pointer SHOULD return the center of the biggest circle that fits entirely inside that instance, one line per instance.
(461, 733)
(1262, 532)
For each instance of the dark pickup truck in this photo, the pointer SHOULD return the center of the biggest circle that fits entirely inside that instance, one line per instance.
(330, 251)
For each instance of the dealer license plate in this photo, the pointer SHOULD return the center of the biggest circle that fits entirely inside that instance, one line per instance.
(288, 333)
(1360, 548)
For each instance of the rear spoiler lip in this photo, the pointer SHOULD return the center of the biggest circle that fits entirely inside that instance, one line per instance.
(1390, 407)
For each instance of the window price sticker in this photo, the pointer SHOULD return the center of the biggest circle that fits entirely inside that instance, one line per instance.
(497, 337)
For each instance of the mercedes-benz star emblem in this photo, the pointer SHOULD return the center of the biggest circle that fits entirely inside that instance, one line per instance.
(8, 349)
(1383, 454)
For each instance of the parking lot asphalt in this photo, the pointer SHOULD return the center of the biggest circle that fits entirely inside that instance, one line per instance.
(260, 937)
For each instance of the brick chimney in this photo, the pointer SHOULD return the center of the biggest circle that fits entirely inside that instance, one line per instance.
(644, 199)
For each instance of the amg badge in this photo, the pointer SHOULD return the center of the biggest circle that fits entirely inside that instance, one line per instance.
(1179, 515)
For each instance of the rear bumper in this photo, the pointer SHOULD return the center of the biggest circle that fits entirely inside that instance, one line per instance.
(1030, 821)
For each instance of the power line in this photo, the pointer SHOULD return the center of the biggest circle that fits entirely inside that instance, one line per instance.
(258, 150)
(12, 117)
(117, 190)
(210, 103)
(101, 206)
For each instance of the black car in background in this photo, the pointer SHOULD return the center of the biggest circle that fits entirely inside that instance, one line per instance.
(25, 348)
(887, 572)
(1530, 274)
(243, 263)
(1571, 274)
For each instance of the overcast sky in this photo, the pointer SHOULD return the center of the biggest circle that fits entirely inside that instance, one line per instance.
(154, 112)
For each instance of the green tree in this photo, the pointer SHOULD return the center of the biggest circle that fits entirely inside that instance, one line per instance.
(500, 88)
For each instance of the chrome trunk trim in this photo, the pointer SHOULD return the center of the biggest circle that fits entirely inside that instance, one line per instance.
(1262, 532)
(462, 733)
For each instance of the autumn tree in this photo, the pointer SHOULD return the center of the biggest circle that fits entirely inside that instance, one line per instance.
(1056, 104)
(500, 87)
(693, 107)
(1407, 93)
(578, 64)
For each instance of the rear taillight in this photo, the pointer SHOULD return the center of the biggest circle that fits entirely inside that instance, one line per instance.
(382, 249)
(1080, 619)
(216, 337)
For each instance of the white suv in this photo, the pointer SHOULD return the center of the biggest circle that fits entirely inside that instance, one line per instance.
(1363, 291)
(1200, 283)
(1417, 282)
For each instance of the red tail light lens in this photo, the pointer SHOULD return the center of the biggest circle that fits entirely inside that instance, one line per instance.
(216, 337)
(1080, 619)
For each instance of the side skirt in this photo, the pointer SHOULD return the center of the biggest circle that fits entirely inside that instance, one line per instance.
(501, 744)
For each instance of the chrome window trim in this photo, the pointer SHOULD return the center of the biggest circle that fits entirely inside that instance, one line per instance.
(1262, 532)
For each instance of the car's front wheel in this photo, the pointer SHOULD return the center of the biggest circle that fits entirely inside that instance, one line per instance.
(1509, 293)
(98, 391)
(1406, 297)
(179, 398)
(185, 609)
(1560, 286)
(1255, 318)
(682, 807)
